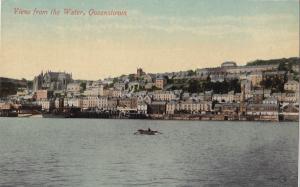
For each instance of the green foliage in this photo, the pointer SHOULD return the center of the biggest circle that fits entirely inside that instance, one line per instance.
(208, 79)
(191, 73)
(83, 86)
(30, 84)
(223, 87)
(180, 81)
(115, 80)
(170, 81)
(140, 79)
(293, 60)
(7, 88)
(282, 67)
(296, 76)
(197, 86)
(131, 77)
(111, 85)
(194, 86)
(275, 84)
(139, 89)
(214, 102)
(10, 86)
(153, 89)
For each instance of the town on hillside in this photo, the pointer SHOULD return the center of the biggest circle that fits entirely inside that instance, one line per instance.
(262, 90)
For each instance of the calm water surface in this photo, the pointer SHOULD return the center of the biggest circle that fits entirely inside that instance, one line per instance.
(94, 152)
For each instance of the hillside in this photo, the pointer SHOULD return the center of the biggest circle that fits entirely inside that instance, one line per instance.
(10, 86)
(290, 61)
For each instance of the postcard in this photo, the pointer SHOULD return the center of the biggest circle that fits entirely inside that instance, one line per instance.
(149, 93)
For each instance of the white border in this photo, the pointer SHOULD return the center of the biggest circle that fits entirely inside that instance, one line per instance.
(0, 25)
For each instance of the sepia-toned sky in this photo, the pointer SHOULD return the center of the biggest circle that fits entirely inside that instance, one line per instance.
(157, 35)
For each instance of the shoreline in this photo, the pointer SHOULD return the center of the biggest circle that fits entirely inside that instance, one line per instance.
(155, 119)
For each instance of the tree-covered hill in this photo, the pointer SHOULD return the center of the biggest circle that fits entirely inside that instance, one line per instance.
(292, 61)
(10, 86)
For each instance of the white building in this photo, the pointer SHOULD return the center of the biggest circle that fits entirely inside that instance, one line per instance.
(164, 95)
(73, 87)
(250, 69)
(94, 91)
(290, 98)
(217, 78)
(194, 106)
(190, 106)
(22, 92)
(279, 96)
(46, 104)
(142, 107)
(120, 86)
(270, 100)
(102, 102)
(171, 107)
(73, 102)
(291, 85)
(117, 93)
(108, 81)
(90, 102)
(221, 98)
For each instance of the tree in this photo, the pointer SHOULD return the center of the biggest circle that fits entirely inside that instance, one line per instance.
(234, 85)
(194, 86)
(115, 80)
(221, 87)
(191, 73)
(111, 85)
(214, 102)
(83, 86)
(276, 84)
(208, 79)
(131, 77)
(153, 89)
(282, 67)
(29, 84)
(293, 60)
(170, 81)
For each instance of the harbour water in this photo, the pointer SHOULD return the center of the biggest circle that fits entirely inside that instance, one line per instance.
(98, 152)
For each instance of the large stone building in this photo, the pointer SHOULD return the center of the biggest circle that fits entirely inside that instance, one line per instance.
(52, 81)
(250, 69)
(160, 82)
(228, 64)
(164, 95)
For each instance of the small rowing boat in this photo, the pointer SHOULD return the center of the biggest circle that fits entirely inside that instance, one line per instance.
(147, 132)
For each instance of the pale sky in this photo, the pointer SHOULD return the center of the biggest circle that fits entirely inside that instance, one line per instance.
(157, 35)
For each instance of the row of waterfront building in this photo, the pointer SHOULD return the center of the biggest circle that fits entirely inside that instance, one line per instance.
(150, 94)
